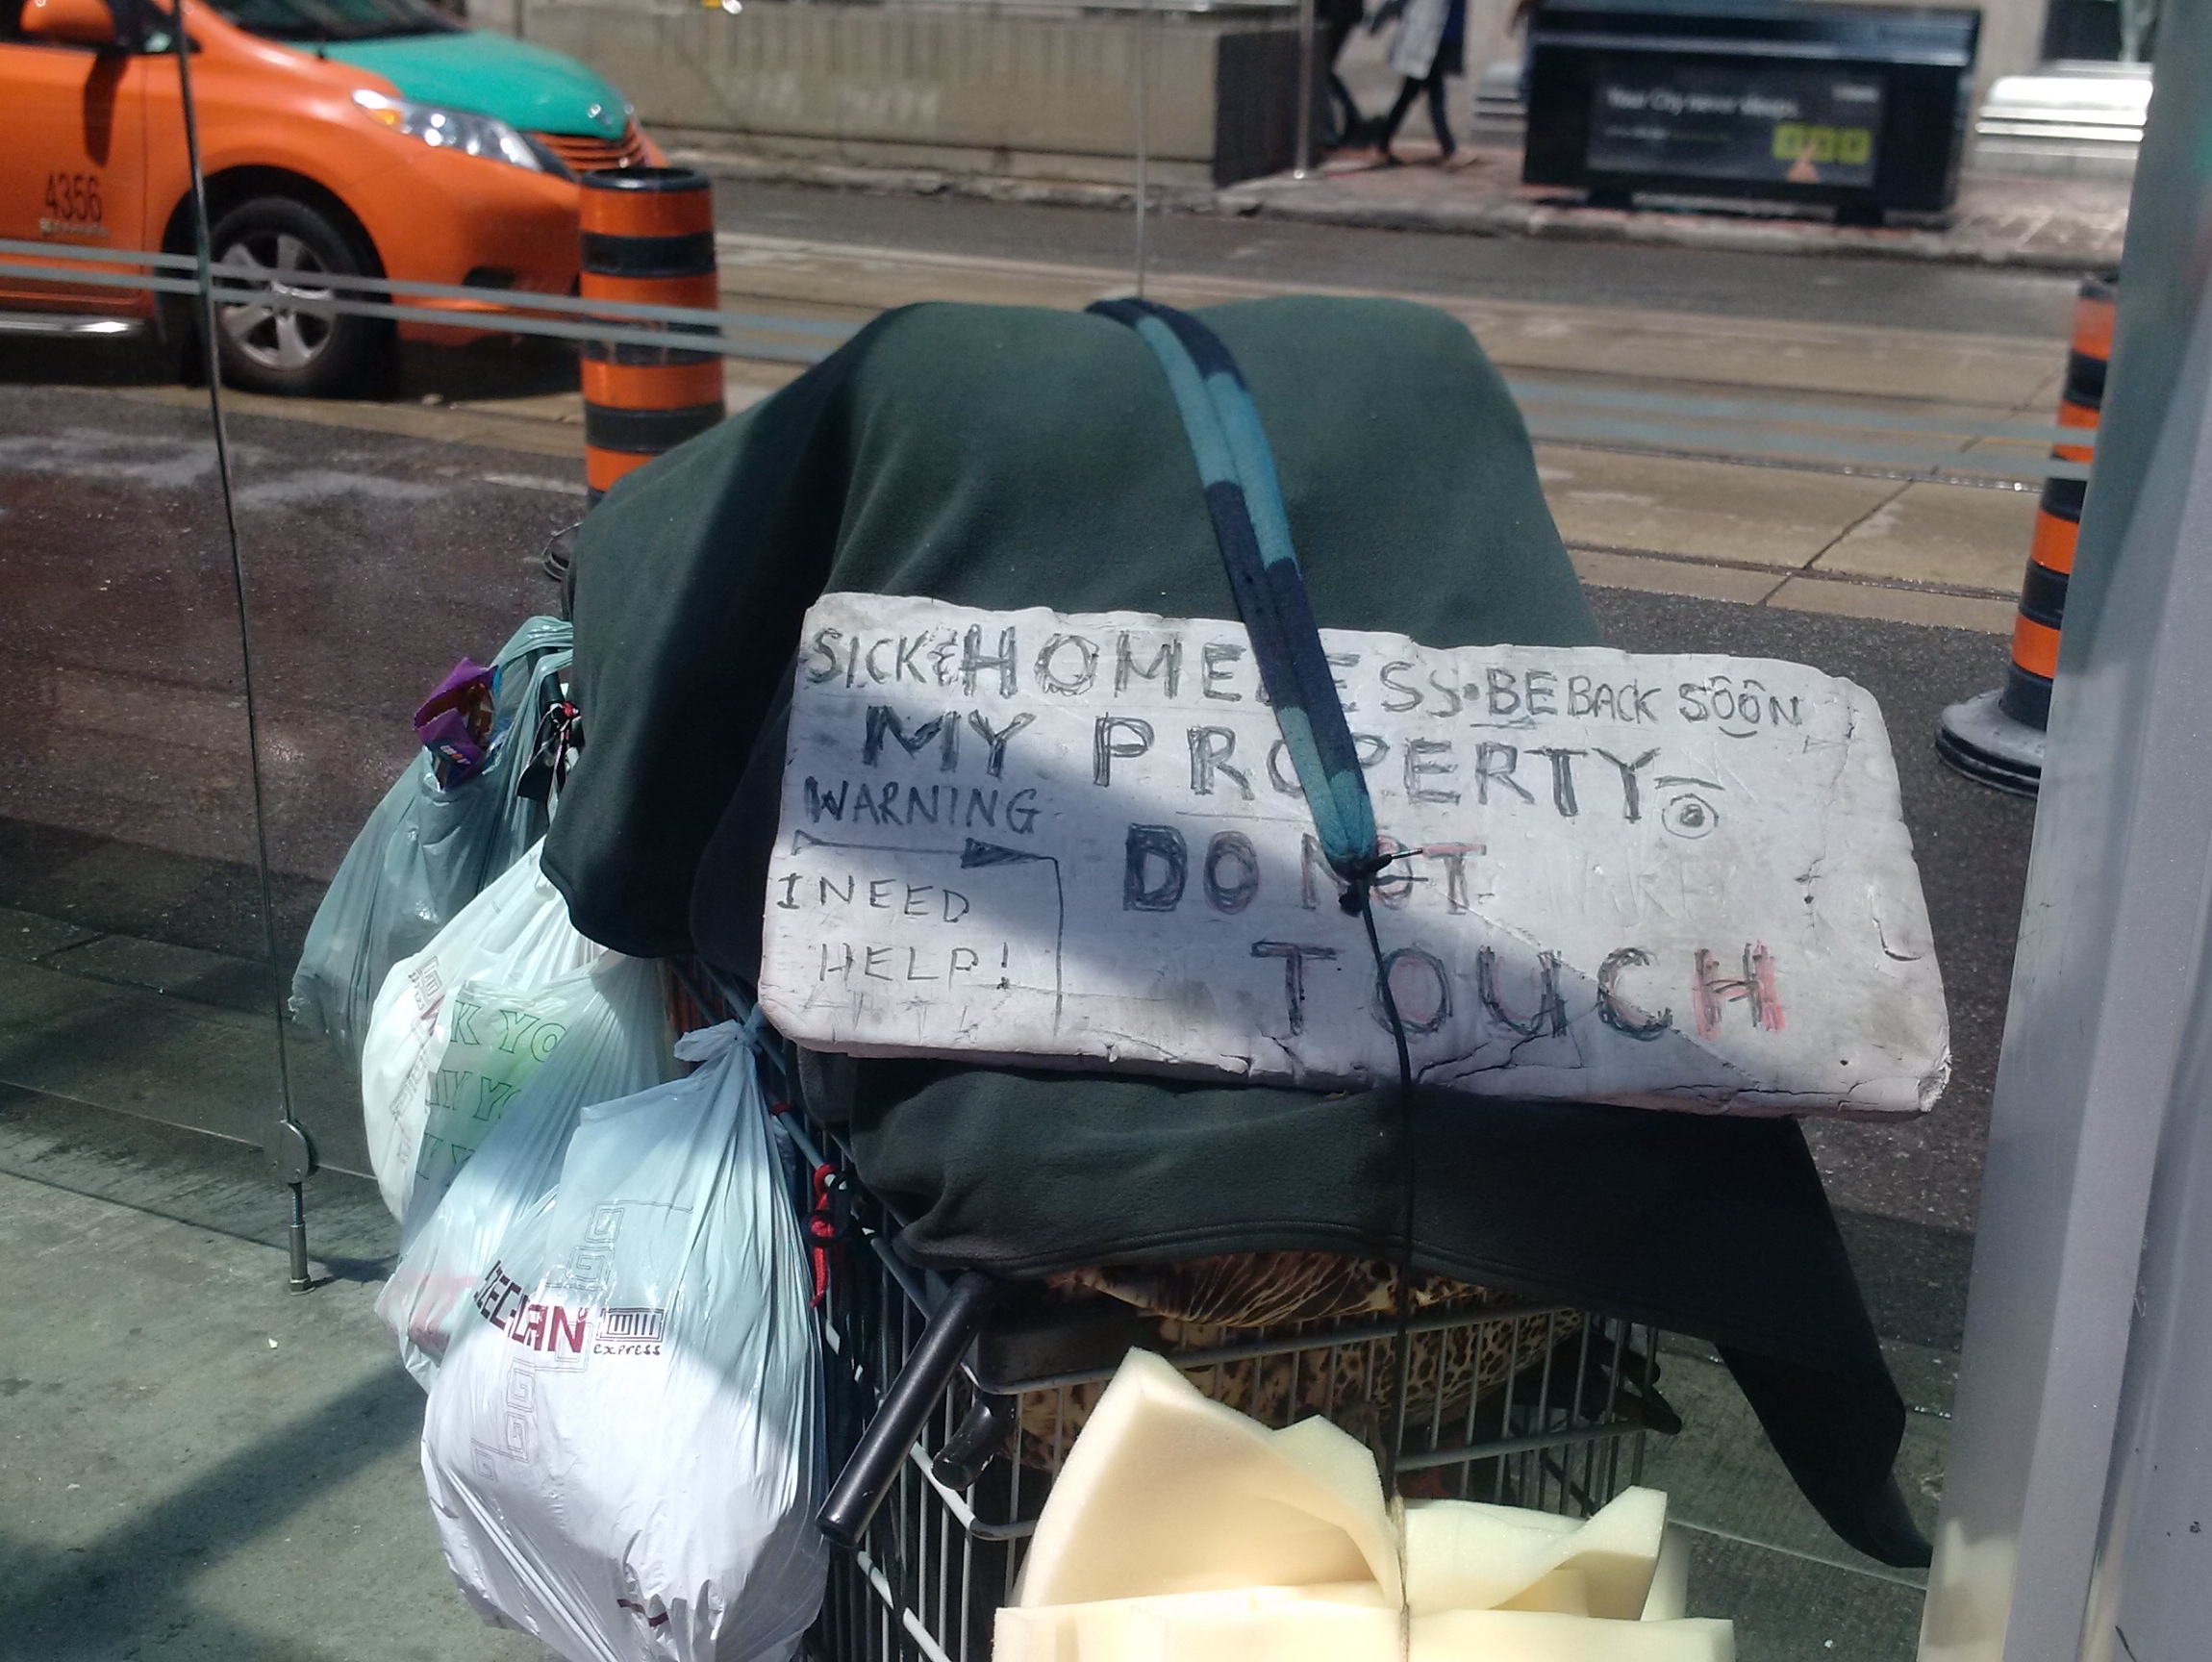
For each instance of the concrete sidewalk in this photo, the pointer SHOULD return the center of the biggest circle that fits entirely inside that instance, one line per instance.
(2051, 224)
(2000, 219)
(196, 1464)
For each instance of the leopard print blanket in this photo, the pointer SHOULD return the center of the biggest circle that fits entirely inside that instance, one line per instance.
(1209, 1302)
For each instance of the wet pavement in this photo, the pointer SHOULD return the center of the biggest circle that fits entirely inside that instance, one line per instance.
(370, 564)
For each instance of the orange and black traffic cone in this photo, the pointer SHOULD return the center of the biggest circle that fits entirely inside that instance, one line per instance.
(648, 239)
(1997, 736)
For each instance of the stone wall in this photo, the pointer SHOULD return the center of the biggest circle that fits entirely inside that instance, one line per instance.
(952, 88)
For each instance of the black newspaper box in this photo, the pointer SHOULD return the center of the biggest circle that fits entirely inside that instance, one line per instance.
(1864, 107)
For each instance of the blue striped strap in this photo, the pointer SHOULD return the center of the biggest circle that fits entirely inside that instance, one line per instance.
(1244, 499)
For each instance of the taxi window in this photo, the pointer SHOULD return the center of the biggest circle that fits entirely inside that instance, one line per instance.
(335, 19)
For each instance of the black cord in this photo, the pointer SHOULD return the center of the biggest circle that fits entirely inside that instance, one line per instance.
(297, 1231)
(1401, 1295)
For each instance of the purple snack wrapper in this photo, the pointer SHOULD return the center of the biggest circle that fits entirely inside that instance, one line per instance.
(447, 737)
(443, 723)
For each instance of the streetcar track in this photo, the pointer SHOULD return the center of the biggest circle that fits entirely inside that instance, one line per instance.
(2018, 482)
(1780, 573)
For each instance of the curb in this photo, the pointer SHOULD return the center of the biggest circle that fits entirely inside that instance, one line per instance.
(1722, 230)
(925, 181)
(1718, 232)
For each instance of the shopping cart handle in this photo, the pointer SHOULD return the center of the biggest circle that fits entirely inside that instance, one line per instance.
(865, 1481)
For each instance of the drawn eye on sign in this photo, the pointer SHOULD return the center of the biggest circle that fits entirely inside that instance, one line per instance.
(1687, 814)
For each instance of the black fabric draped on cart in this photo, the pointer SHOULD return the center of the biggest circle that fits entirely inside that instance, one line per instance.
(1007, 457)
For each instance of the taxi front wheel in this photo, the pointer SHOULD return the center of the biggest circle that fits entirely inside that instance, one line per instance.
(268, 345)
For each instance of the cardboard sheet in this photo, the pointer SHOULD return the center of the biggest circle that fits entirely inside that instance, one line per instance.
(1675, 881)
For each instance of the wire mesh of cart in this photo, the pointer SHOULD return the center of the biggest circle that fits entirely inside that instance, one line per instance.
(1520, 1403)
(1552, 1410)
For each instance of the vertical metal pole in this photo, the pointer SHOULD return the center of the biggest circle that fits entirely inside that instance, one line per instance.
(290, 1154)
(1305, 162)
(2108, 983)
(301, 1277)
(1143, 130)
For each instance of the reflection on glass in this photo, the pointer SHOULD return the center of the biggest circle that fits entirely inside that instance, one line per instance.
(1759, 428)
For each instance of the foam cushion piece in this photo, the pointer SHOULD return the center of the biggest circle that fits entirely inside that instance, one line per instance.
(1167, 1492)
(1282, 1624)
(1465, 1555)
(1319, 1624)
(1669, 1597)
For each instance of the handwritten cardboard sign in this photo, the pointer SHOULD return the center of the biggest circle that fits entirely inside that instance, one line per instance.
(1675, 881)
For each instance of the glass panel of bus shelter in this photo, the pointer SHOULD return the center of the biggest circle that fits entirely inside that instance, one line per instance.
(397, 530)
(1759, 432)
(139, 981)
(139, 1056)
(183, 774)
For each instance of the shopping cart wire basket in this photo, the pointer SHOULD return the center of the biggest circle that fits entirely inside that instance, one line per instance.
(951, 1403)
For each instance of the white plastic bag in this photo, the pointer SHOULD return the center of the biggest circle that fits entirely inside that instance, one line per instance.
(623, 1444)
(484, 968)
(426, 1299)
(592, 1034)
(461, 1212)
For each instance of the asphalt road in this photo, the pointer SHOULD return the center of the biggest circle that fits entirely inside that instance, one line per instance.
(373, 562)
(1890, 292)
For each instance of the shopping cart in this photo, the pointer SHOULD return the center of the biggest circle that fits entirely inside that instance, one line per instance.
(951, 1403)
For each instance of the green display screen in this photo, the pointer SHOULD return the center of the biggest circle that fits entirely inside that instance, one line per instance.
(1758, 122)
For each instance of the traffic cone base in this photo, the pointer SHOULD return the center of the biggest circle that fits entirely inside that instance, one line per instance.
(1983, 743)
(1997, 736)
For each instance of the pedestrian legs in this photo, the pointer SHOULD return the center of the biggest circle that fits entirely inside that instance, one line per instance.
(1437, 114)
(1433, 83)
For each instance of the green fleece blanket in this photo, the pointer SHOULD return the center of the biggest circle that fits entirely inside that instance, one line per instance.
(1010, 458)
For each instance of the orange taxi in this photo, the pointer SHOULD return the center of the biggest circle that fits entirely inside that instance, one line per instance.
(355, 138)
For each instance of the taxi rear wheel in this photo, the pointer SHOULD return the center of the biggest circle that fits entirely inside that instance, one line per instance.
(267, 345)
